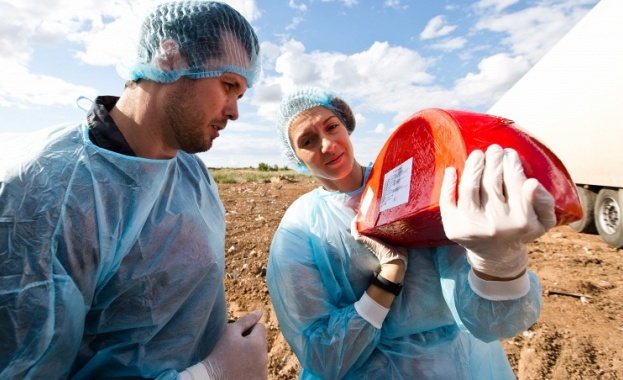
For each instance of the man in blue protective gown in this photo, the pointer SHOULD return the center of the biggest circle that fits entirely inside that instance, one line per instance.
(112, 231)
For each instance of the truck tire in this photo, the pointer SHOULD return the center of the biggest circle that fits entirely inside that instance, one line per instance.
(608, 221)
(587, 223)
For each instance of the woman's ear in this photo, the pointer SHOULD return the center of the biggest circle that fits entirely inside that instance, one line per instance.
(169, 58)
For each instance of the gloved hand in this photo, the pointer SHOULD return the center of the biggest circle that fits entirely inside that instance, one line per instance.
(498, 211)
(241, 352)
(385, 252)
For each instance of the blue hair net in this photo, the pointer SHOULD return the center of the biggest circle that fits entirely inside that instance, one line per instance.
(299, 100)
(193, 39)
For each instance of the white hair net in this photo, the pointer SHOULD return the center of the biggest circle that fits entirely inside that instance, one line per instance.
(193, 38)
(299, 100)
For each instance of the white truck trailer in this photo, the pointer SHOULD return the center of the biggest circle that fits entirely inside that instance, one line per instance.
(570, 101)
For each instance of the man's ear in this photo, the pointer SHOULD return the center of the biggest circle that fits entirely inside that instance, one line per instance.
(169, 58)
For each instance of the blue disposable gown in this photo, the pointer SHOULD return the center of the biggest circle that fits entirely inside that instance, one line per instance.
(437, 328)
(110, 266)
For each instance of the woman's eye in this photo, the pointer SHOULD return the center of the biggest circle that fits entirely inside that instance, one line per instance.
(307, 143)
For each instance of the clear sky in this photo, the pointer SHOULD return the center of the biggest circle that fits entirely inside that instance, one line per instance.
(387, 58)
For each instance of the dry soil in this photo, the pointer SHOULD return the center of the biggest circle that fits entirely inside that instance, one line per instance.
(579, 332)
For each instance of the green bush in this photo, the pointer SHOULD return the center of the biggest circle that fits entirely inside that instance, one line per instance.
(264, 167)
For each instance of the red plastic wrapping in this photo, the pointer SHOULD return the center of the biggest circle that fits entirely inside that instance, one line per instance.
(400, 201)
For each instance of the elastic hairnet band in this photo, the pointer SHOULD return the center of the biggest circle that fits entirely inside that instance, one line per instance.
(81, 98)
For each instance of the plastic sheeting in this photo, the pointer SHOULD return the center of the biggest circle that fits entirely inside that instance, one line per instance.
(110, 266)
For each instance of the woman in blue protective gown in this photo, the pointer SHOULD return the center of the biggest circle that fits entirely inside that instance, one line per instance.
(355, 307)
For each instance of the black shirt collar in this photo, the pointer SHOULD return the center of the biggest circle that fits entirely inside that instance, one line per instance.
(103, 131)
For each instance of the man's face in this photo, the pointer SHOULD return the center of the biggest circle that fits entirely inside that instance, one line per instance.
(198, 109)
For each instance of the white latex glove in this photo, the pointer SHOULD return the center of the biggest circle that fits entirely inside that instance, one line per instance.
(385, 252)
(498, 211)
(240, 353)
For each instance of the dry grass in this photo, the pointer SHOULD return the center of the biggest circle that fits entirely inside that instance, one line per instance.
(241, 175)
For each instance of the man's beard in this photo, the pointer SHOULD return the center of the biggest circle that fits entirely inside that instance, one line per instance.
(186, 120)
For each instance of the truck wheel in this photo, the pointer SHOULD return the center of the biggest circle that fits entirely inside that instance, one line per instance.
(608, 217)
(587, 223)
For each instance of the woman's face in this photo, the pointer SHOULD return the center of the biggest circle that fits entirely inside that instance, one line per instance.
(322, 143)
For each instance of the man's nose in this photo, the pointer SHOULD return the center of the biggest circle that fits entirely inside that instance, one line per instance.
(232, 110)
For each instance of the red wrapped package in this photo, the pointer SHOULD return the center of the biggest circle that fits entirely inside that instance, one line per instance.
(400, 201)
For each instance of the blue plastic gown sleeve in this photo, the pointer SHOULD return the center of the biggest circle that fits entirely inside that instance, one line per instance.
(486, 320)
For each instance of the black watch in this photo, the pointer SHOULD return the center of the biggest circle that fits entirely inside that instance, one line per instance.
(386, 285)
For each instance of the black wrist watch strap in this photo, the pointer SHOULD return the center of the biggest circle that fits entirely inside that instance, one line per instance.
(386, 285)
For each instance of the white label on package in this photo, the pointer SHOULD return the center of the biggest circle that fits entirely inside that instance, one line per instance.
(396, 185)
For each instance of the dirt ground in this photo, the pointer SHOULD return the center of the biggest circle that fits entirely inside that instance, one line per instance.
(578, 335)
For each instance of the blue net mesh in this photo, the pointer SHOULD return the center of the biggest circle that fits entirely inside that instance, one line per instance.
(198, 39)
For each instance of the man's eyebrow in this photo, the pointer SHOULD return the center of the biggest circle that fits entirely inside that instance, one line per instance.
(236, 82)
